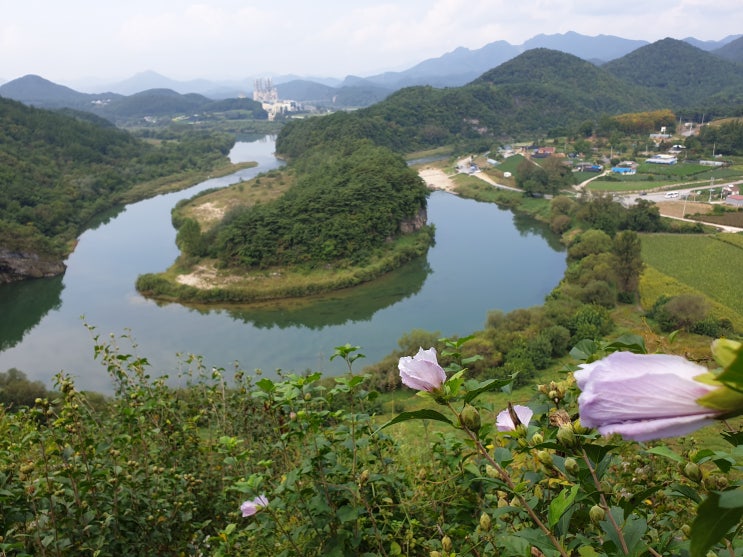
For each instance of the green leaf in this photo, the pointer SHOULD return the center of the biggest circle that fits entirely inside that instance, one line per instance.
(666, 452)
(266, 385)
(687, 491)
(732, 499)
(584, 349)
(560, 504)
(711, 524)
(630, 343)
(424, 414)
(486, 386)
(348, 513)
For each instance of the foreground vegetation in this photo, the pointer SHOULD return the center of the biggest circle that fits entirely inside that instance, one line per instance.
(302, 466)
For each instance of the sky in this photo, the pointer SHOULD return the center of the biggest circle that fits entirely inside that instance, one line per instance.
(73, 41)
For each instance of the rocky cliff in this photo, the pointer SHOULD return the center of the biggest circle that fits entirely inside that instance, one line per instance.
(23, 265)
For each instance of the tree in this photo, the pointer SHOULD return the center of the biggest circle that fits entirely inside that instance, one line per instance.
(532, 178)
(643, 216)
(628, 252)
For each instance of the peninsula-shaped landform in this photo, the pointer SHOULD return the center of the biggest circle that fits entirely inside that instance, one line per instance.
(340, 215)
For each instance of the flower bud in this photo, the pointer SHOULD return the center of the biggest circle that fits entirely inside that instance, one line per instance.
(571, 466)
(446, 544)
(364, 477)
(491, 472)
(545, 457)
(537, 439)
(596, 514)
(692, 471)
(434, 553)
(566, 436)
(485, 522)
(686, 530)
(470, 418)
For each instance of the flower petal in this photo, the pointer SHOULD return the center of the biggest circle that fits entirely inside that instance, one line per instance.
(504, 421)
(656, 429)
(422, 372)
(643, 396)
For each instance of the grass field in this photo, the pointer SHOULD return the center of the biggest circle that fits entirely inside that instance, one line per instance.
(712, 265)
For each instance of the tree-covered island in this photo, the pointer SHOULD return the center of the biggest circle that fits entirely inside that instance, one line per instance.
(341, 214)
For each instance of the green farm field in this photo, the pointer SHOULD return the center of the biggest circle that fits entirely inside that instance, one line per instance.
(712, 265)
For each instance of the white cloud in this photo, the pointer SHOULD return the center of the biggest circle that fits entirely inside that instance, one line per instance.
(233, 38)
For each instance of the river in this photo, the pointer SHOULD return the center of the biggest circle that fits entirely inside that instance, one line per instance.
(484, 258)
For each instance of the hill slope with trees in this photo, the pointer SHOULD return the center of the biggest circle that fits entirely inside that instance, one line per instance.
(57, 172)
(681, 75)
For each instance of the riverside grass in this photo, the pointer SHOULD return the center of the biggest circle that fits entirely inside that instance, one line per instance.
(272, 284)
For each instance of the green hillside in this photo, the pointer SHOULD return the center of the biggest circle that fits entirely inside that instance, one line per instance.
(58, 171)
(680, 74)
(539, 92)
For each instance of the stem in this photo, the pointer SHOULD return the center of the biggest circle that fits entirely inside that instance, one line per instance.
(506, 479)
(604, 503)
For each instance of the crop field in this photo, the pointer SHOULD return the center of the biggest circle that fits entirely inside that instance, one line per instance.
(712, 265)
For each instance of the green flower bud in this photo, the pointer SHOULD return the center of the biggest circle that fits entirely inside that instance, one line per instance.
(446, 544)
(470, 418)
(491, 472)
(434, 553)
(545, 457)
(485, 522)
(502, 502)
(566, 436)
(571, 466)
(692, 471)
(537, 439)
(596, 514)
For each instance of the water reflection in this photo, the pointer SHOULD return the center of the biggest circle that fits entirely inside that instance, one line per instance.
(527, 225)
(341, 307)
(25, 304)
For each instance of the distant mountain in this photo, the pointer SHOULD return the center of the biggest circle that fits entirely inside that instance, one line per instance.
(732, 51)
(599, 48)
(36, 91)
(709, 46)
(149, 80)
(305, 91)
(681, 74)
(462, 65)
(42, 93)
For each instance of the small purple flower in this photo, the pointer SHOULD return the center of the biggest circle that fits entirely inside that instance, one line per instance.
(505, 422)
(643, 396)
(422, 372)
(249, 508)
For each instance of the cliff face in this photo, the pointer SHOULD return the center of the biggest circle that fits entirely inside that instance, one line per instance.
(23, 265)
(415, 223)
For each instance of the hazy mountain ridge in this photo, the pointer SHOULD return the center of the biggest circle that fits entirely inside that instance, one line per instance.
(452, 69)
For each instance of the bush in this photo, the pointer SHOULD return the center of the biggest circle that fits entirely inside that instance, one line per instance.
(17, 391)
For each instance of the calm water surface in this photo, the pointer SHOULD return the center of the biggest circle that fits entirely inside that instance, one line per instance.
(485, 258)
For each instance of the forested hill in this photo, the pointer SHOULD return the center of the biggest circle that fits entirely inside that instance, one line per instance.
(539, 92)
(58, 171)
(680, 74)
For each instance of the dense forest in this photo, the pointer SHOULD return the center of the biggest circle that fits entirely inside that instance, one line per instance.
(58, 171)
